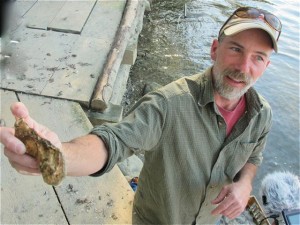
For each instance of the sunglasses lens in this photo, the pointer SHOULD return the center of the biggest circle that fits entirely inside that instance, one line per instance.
(247, 13)
(253, 13)
(273, 21)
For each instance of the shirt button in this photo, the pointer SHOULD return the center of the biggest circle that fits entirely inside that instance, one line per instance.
(220, 123)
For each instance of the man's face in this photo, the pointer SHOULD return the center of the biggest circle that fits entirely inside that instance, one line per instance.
(226, 89)
(239, 61)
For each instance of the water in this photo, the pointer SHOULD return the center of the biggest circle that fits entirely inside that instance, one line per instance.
(171, 46)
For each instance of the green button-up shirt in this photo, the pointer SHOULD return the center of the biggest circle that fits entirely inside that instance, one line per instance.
(188, 157)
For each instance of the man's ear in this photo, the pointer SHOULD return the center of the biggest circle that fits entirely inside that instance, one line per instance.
(213, 49)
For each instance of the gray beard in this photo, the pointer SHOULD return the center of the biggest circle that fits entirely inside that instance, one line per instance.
(227, 91)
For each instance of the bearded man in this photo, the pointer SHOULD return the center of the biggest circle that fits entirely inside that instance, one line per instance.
(203, 135)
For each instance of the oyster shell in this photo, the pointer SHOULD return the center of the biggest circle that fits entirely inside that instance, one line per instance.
(50, 158)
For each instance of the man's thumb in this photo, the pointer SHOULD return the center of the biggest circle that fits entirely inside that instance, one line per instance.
(19, 110)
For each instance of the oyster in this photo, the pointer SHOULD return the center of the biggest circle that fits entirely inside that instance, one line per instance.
(50, 158)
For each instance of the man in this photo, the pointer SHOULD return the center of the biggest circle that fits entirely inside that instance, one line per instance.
(203, 135)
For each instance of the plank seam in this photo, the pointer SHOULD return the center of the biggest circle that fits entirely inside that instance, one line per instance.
(62, 208)
(88, 16)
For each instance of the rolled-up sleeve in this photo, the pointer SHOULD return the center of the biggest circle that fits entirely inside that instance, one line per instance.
(139, 131)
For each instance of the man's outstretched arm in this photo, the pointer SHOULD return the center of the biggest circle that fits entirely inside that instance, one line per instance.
(83, 156)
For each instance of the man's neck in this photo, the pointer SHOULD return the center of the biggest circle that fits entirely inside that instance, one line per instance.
(225, 103)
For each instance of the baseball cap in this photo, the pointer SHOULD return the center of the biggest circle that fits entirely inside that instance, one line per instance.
(245, 18)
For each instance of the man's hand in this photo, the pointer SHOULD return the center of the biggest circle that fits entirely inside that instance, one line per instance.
(234, 197)
(83, 155)
(232, 200)
(15, 150)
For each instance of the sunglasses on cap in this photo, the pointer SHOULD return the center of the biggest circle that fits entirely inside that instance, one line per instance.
(255, 13)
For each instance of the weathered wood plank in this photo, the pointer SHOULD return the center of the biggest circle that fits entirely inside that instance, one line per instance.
(104, 200)
(64, 117)
(86, 200)
(24, 199)
(72, 16)
(112, 114)
(104, 20)
(21, 7)
(120, 84)
(35, 58)
(54, 64)
(77, 75)
(63, 65)
(130, 54)
(42, 13)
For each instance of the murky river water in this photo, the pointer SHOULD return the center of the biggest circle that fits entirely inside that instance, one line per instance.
(171, 46)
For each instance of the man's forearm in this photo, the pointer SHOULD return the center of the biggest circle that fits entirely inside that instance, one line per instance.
(84, 155)
(247, 174)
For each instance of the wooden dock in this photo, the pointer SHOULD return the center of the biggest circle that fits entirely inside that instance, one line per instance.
(59, 57)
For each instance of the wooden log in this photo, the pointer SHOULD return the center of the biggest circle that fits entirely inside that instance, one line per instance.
(104, 87)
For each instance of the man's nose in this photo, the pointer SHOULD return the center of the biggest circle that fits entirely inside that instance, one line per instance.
(244, 64)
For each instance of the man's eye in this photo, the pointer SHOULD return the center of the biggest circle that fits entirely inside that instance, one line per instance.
(235, 49)
(259, 58)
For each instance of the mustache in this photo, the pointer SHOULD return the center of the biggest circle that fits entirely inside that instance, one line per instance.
(237, 75)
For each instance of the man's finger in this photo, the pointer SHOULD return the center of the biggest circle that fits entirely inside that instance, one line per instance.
(12, 143)
(19, 110)
(231, 212)
(221, 196)
(224, 205)
(25, 170)
(24, 160)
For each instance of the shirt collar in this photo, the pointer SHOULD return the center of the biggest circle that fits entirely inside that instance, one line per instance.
(206, 94)
(254, 101)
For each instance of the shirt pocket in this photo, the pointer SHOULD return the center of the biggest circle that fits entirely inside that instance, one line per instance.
(238, 157)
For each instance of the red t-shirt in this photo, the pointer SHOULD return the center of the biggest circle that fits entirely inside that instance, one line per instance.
(231, 117)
